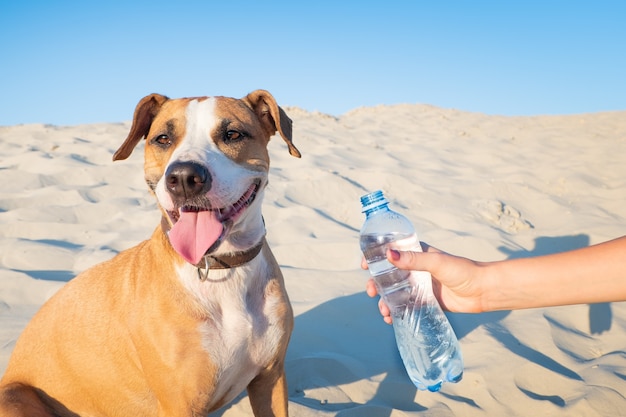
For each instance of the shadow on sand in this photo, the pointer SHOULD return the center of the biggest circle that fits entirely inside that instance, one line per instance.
(319, 358)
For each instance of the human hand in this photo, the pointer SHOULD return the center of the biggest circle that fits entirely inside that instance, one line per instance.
(372, 292)
(456, 283)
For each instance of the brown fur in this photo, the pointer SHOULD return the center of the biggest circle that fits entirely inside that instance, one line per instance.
(123, 338)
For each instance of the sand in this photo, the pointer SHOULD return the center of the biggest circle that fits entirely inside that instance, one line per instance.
(481, 186)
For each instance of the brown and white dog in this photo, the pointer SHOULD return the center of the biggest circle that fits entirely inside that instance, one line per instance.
(182, 323)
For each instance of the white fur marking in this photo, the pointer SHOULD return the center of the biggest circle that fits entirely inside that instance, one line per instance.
(242, 335)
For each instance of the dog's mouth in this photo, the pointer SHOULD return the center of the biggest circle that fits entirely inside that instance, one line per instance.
(199, 229)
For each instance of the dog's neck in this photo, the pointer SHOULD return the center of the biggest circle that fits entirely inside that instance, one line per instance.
(231, 260)
(226, 261)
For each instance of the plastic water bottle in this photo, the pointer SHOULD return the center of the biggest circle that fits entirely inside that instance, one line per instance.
(427, 344)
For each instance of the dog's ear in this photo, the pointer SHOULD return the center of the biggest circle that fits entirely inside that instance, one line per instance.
(272, 117)
(145, 112)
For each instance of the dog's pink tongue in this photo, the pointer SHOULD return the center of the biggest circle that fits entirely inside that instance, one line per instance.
(194, 233)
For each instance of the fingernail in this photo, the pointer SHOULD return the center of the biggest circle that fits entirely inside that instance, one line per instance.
(395, 255)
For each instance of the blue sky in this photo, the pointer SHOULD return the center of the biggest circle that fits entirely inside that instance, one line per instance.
(73, 62)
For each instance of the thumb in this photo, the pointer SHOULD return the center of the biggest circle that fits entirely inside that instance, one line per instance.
(414, 261)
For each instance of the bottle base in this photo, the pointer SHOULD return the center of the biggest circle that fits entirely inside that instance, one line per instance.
(456, 378)
(436, 387)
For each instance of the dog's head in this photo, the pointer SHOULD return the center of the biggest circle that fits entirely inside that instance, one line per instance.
(206, 161)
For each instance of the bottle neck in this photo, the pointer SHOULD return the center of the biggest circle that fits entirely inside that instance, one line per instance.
(381, 207)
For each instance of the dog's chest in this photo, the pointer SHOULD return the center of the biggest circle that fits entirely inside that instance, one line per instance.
(243, 331)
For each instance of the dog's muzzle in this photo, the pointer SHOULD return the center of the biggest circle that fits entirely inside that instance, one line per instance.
(198, 227)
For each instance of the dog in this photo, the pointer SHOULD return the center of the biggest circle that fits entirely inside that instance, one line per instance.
(182, 323)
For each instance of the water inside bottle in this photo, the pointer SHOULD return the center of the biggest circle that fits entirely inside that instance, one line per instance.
(374, 249)
(438, 358)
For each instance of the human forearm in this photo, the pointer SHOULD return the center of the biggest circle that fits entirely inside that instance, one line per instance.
(588, 275)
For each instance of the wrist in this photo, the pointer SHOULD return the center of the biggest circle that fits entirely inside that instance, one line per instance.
(491, 295)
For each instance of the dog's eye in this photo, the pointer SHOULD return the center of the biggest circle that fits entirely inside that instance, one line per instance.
(162, 140)
(233, 135)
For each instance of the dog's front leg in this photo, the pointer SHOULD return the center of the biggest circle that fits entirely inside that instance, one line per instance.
(268, 393)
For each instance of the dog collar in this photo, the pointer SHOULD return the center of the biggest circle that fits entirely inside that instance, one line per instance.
(232, 260)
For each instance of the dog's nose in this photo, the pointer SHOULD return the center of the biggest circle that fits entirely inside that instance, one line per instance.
(187, 179)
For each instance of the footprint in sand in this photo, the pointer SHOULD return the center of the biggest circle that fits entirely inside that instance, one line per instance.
(501, 215)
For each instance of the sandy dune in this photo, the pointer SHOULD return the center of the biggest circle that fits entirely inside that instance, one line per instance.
(486, 187)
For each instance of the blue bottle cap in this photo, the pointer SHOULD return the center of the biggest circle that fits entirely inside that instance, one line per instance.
(372, 200)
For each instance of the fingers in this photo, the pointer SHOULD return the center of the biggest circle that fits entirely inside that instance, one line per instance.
(371, 288)
(384, 311)
(415, 261)
(372, 292)
(363, 263)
